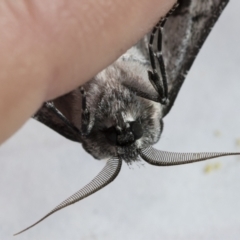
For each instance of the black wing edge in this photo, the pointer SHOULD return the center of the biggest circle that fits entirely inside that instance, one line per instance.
(184, 34)
(70, 106)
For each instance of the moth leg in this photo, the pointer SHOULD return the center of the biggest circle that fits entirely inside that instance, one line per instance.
(160, 57)
(161, 88)
(159, 49)
(153, 75)
(60, 116)
(85, 114)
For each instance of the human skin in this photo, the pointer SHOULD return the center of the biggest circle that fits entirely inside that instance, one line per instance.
(48, 48)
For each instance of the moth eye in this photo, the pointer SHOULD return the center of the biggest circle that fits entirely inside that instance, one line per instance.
(136, 129)
(111, 135)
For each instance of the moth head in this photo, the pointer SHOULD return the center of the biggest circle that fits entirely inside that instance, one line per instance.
(122, 123)
(124, 135)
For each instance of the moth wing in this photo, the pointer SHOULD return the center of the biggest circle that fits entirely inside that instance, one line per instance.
(184, 33)
(69, 106)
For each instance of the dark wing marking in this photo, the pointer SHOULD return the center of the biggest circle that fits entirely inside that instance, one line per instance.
(70, 106)
(183, 36)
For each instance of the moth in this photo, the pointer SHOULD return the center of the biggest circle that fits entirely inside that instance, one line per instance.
(118, 115)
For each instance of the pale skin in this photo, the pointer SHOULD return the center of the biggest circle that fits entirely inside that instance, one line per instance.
(48, 48)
